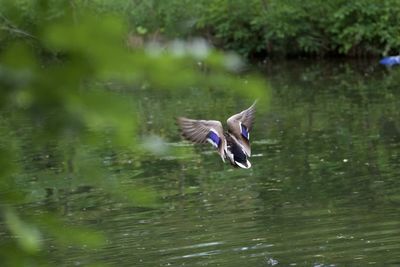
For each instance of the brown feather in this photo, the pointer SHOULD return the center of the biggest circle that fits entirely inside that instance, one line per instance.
(197, 131)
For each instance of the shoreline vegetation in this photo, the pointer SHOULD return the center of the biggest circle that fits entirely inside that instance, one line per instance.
(255, 29)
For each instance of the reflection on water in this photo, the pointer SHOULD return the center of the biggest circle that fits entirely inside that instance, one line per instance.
(324, 189)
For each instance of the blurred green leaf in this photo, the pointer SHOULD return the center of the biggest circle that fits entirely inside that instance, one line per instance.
(19, 57)
(28, 236)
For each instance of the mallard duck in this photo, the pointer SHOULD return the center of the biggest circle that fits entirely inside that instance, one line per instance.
(233, 144)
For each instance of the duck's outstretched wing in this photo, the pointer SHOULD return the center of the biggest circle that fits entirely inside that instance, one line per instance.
(202, 131)
(241, 124)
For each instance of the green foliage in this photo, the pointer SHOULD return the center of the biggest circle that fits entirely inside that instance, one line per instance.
(233, 24)
(255, 27)
(170, 18)
(62, 115)
(365, 27)
(296, 27)
(29, 239)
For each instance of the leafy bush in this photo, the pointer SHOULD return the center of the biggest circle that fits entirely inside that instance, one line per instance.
(365, 27)
(233, 25)
(255, 27)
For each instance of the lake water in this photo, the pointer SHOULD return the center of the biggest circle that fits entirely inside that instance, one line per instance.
(324, 189)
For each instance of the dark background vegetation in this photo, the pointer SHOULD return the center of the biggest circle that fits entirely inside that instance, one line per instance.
(254, 28)
(259, 28)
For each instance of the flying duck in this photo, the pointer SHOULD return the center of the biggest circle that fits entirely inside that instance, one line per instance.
(233, 144)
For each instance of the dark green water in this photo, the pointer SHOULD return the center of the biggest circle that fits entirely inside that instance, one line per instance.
(324, 189)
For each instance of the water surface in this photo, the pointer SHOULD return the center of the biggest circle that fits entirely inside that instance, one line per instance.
(324, 189)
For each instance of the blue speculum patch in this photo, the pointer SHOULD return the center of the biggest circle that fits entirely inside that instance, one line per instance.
(214, 138)
(245, 133)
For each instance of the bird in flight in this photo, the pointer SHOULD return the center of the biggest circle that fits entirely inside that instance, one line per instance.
(233, 144)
